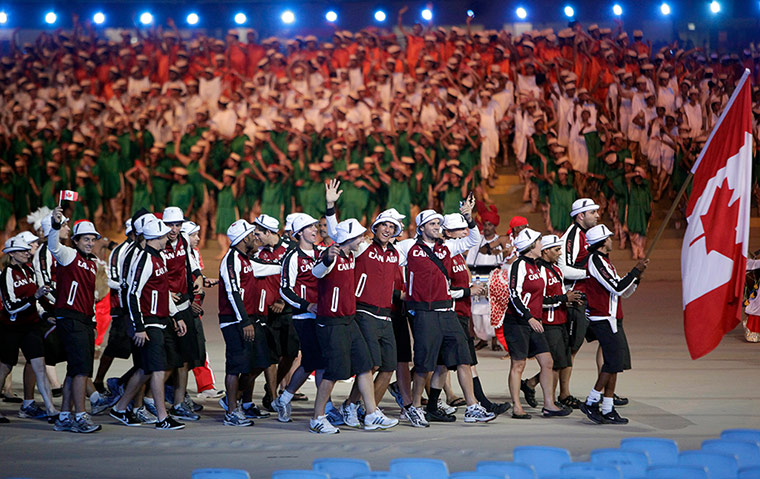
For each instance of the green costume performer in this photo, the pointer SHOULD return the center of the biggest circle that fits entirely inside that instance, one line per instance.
(353, 202)
(226, 209)
(561, 199)
(400, 197)
(639, 207)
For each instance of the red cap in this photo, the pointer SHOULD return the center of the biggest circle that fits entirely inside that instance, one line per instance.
(517, 221)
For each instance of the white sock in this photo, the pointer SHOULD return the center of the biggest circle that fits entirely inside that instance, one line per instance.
(607, 404)
(94, 397)
(27, 403)
(149, 401)
(286, 397)
(79, 415)
(593, 397)
(64, 415)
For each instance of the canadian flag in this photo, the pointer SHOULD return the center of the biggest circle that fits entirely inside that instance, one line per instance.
(714, 252)
(68, 195)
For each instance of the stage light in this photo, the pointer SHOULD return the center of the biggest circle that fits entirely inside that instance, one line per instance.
(665, 9)
(569, 11)
(50, 18)
(617, 9)
(521, 13)
(240, 18)
(427, 14)
(3, 18)
(192, 19)
(99, 18)
(470, 13)
(287, 17)
(380, 16)
(146, 18)
(331, 16)
(715, 7)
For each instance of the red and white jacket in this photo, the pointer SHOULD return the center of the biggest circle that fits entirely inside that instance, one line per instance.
(17, 289)
(604, 288)
(572, 261)
(375, 274)
(555, 297)
(182, 267)
(460, 286)
(268, 287)
(237, 288)
(298, 287)
(115, 273)
(75, 280)
(526, 290)
(335, 286)
(149, 298)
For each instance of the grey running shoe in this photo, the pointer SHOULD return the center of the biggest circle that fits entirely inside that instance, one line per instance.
(145, 416)
(237, 418)
(84, 424)
(477, 413)
(64, 424)
(283, 409)
(191, 405)
(182, 412)
(32, 411)
(416, 416)
(104, 402)
(350, 415)
(253, 412)
(446, 408)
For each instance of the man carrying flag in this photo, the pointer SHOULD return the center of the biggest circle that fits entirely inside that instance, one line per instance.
(714, 252)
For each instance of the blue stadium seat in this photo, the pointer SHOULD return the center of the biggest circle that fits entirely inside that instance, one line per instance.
(661, 451)
(220, 474)
(299, 474)
(746, 452)
(514, 470)
(718, 465)
(592, 470)
(545, 460)
(420, 468)
(477, 475)
(752, 472)
(567, 476)
(672, 471)
(631, 463)
(381, 475)
(341, 468)
(741, 434)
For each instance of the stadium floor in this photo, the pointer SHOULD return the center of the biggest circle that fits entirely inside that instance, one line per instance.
(671, 396)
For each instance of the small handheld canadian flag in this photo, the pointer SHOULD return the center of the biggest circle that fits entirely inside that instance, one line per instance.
(68, 195)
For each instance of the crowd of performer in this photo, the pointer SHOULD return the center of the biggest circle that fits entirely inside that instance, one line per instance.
(231, 128)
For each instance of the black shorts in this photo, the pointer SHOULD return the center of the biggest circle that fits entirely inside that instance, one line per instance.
(613, 346)
(577, 324)
(200, 337)
(78, 341)
(522, 341)
(187, 345)
(24, 336)
(311, 354)
(465, 322)
(626, 349)
(559, 345)
(160, 352)
(54, 351)
(380, 339)
(286, 344)
(119, 342)
(438, 333)
(263, 347)
(238, 353)
(344, 348)
(402, 333)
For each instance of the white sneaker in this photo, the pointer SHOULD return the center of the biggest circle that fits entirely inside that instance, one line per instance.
(378, 420)
(210, 394)
(350, 415)
(417, 417)
(446, 408)
(283, 409)
(322, 426)
(477, 413)
(144, 416)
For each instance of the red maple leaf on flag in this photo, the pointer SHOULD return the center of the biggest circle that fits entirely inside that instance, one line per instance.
(720, 230)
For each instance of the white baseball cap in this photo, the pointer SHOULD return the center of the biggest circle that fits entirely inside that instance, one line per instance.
(598, 233)
(348, 229)
(301, 221)
(526, 238)
(155, 229)
(427, 216)
(454, 221)
(15, 244)
(581, 205)
(289, 221)
(28, 237)
(128, 226)
(142, 221)
(188, 227)
(173, 214)
(84, 227)
(238, 231)
(389, 216)
(267, 222)
(550, 241)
